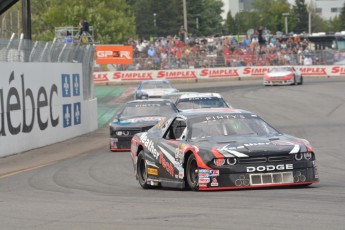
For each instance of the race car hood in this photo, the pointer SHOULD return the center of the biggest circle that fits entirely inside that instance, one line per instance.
(137, 121)
(278, 74)
(253, 146)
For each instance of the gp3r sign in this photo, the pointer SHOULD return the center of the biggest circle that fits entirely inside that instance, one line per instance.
(114, 55)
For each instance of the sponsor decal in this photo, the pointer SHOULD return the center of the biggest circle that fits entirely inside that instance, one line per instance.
(256, 71)
(203, 175)
(338, 69)
(219, 162)
(214, 182)
(149, 145)
(202, 185)
(152, 171)
(166, 164)
(21, 98)
(181, 174)
(313, 71)
(211, 73)
(204, 180)
(223, 117)
(213, 172)
(268, 168)
(179, 74)
(71, 88)
(129, 76)
(100, 77)
(37, 107)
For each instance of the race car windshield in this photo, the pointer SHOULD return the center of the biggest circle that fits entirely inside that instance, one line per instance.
(151, 109)
(201, 103)
(156, 85)
(281, 69)
(231, 127)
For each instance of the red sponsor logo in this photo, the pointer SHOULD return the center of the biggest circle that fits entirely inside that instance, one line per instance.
(338, 69)
(313, 71)
(219, 73)
(100, 77)
(214, 182)
(202, 185)
(133, 76)
(256, 71)
(167, 165)
(176, 74)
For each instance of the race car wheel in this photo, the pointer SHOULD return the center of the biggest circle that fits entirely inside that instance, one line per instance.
(191, 173)
(301, 81)
(295, 80)
(142, 171)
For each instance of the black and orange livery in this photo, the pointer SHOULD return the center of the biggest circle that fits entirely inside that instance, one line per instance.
(218, 149)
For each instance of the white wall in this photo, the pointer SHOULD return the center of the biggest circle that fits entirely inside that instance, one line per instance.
(41, 104)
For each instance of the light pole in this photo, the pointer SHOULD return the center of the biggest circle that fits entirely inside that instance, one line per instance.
(185, 24)
(286, 22)
(154, 19)
(197, 21)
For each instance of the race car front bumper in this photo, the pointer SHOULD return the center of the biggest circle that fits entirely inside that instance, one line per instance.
(263, 176)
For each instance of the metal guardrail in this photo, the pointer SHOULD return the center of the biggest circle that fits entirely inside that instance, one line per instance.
(22, 50)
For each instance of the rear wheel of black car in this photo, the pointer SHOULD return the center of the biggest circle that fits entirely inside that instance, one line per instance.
(191, 173)
(142, 171)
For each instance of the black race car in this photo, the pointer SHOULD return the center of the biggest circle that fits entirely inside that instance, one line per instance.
(217, 149)
(137, 116)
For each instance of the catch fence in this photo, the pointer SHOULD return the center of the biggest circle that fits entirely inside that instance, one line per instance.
(23, 50)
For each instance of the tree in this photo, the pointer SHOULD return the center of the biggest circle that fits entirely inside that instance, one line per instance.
(112, 20)
(211, 19)
(342, 18)
(229, 25)
(246, 20)
(301, 14)
(270, 13)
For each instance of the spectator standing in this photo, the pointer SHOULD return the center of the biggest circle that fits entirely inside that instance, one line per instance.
(261, 39)
(307, 60)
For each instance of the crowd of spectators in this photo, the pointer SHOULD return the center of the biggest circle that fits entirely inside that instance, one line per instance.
(259, 49)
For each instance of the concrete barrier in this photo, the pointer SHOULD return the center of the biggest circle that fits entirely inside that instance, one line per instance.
(41, 104)
(245, 72)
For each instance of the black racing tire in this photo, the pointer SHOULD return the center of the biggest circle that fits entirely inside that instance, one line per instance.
(192, 174)
(142, 171)
(295, 80)
(301, 81)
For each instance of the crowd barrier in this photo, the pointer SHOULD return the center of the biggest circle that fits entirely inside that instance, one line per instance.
(210, 73)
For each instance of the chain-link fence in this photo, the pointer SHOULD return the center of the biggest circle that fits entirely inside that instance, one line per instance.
(22, 50)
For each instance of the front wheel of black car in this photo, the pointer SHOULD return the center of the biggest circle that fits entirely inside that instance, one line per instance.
(191, 173)
(142, 171)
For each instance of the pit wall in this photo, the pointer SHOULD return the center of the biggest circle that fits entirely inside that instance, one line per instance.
(42, 104)
(210, 73)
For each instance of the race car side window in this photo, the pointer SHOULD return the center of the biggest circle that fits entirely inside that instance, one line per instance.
(176, 130)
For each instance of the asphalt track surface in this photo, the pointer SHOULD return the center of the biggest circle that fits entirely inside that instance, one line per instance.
(79, 184)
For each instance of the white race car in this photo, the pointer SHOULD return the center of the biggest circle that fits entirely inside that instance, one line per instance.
(153, 89)
(283, 75)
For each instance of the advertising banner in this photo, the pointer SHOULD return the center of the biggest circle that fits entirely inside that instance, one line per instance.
(113, 54)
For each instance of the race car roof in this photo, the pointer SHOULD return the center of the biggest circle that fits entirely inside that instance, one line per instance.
(213, 112)
(200, 95)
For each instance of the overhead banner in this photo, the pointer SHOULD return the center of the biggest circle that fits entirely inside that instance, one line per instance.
(112, 54)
